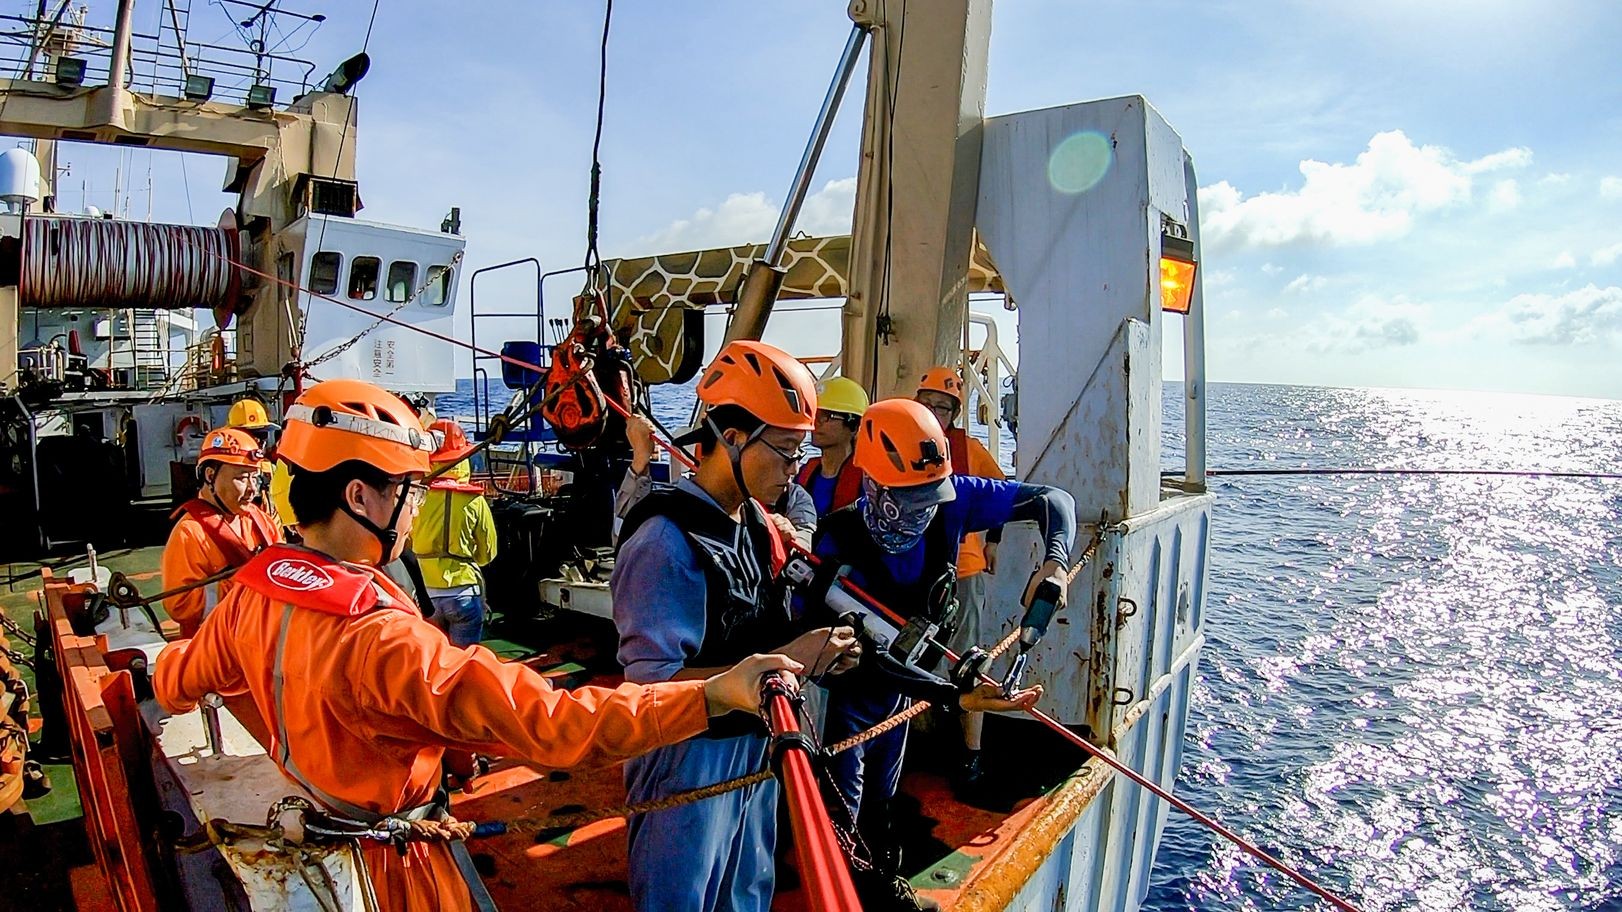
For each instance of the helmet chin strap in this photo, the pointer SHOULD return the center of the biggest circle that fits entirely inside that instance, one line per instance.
(387, 537)
(735, 454)
(214, 489)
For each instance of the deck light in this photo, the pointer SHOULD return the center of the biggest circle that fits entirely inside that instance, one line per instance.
(198, 87)
(1177, 268)
(70, 71)
(261, 96)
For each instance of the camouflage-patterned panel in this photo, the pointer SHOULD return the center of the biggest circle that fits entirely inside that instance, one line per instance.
(652, 299)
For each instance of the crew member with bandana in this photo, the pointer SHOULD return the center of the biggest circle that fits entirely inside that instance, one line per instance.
(899, 543)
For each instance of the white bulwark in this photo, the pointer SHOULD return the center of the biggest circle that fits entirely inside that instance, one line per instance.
(1076, 204)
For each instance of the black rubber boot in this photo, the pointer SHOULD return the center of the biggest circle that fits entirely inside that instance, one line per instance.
(970, 784)
(35, 783)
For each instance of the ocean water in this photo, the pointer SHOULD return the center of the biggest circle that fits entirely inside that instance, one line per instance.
(1412, 685)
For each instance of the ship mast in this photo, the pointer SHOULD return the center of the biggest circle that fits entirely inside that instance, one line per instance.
(283, 158)
(916, 190)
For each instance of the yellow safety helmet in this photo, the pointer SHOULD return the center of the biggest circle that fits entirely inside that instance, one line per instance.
(281, 479)
(248, 413)
(842, 395)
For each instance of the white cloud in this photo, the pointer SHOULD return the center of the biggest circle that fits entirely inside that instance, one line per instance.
(1554, 179)
(1605, 256)
(1610, 187)
(1370, 323)
(1219, 278)
(1376, 323)
(1564, 261)
(1504, 196)
(748, 218)
(1517, 157)
(1272, 268)
(1305, 283)
(1585, 316)
(1374, 198)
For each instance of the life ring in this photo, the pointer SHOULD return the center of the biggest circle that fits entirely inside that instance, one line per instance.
(185, 424)
(217, 355)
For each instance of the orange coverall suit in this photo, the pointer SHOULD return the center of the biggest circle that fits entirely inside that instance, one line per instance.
(371, 695)
(204, 542)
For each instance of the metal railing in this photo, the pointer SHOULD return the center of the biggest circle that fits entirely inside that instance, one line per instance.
(983, 372)
(159, 63)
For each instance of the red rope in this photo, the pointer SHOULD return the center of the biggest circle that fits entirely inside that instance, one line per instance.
(1178, 803)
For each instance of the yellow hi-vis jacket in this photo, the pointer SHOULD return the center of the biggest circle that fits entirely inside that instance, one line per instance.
(454, 534)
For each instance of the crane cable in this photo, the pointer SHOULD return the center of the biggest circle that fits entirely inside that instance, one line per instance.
(593, 259)
(1121, 767)
(1508, 473)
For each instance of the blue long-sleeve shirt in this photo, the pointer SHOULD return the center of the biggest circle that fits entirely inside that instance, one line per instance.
(659, 594)
(982, 504)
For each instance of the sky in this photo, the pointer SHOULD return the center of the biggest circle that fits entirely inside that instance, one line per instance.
(1393, 193)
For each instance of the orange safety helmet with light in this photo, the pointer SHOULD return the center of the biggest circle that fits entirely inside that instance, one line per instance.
(900, 445)
(230, 446)
(942, 380)
(338, 421)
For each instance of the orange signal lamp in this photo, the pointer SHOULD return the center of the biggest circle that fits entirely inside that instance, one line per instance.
(1177, 269)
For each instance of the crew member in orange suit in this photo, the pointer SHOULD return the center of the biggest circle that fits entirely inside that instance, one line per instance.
(219, 528)
(363, 695)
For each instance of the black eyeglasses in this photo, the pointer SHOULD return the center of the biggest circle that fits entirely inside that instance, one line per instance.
(412, 492)
(793, 459)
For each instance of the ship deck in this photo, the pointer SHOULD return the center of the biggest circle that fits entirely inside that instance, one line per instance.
(947, 844)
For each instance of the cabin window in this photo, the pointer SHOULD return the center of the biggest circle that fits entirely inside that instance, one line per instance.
(438, 292)
(324, 269)
(363, 278)
(402, 281)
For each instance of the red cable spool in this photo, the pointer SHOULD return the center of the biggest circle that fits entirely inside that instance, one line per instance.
(107, 263)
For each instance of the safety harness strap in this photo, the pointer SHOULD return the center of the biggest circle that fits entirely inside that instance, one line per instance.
(216, 525)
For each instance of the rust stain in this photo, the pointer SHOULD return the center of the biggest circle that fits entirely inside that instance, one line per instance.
(995, 882)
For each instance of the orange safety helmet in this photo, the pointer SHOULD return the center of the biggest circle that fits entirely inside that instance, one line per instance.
(230, 446)
(942, 380)
(900, 445)
(452, 440)
(339, 420)
(764, 381)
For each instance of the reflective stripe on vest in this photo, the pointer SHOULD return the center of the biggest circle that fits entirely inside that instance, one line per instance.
(477, 891)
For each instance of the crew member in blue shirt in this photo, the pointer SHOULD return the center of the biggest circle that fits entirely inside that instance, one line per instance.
(694, 588)
(900, 542)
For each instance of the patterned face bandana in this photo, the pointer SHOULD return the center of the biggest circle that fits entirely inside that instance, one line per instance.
(894, 525)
